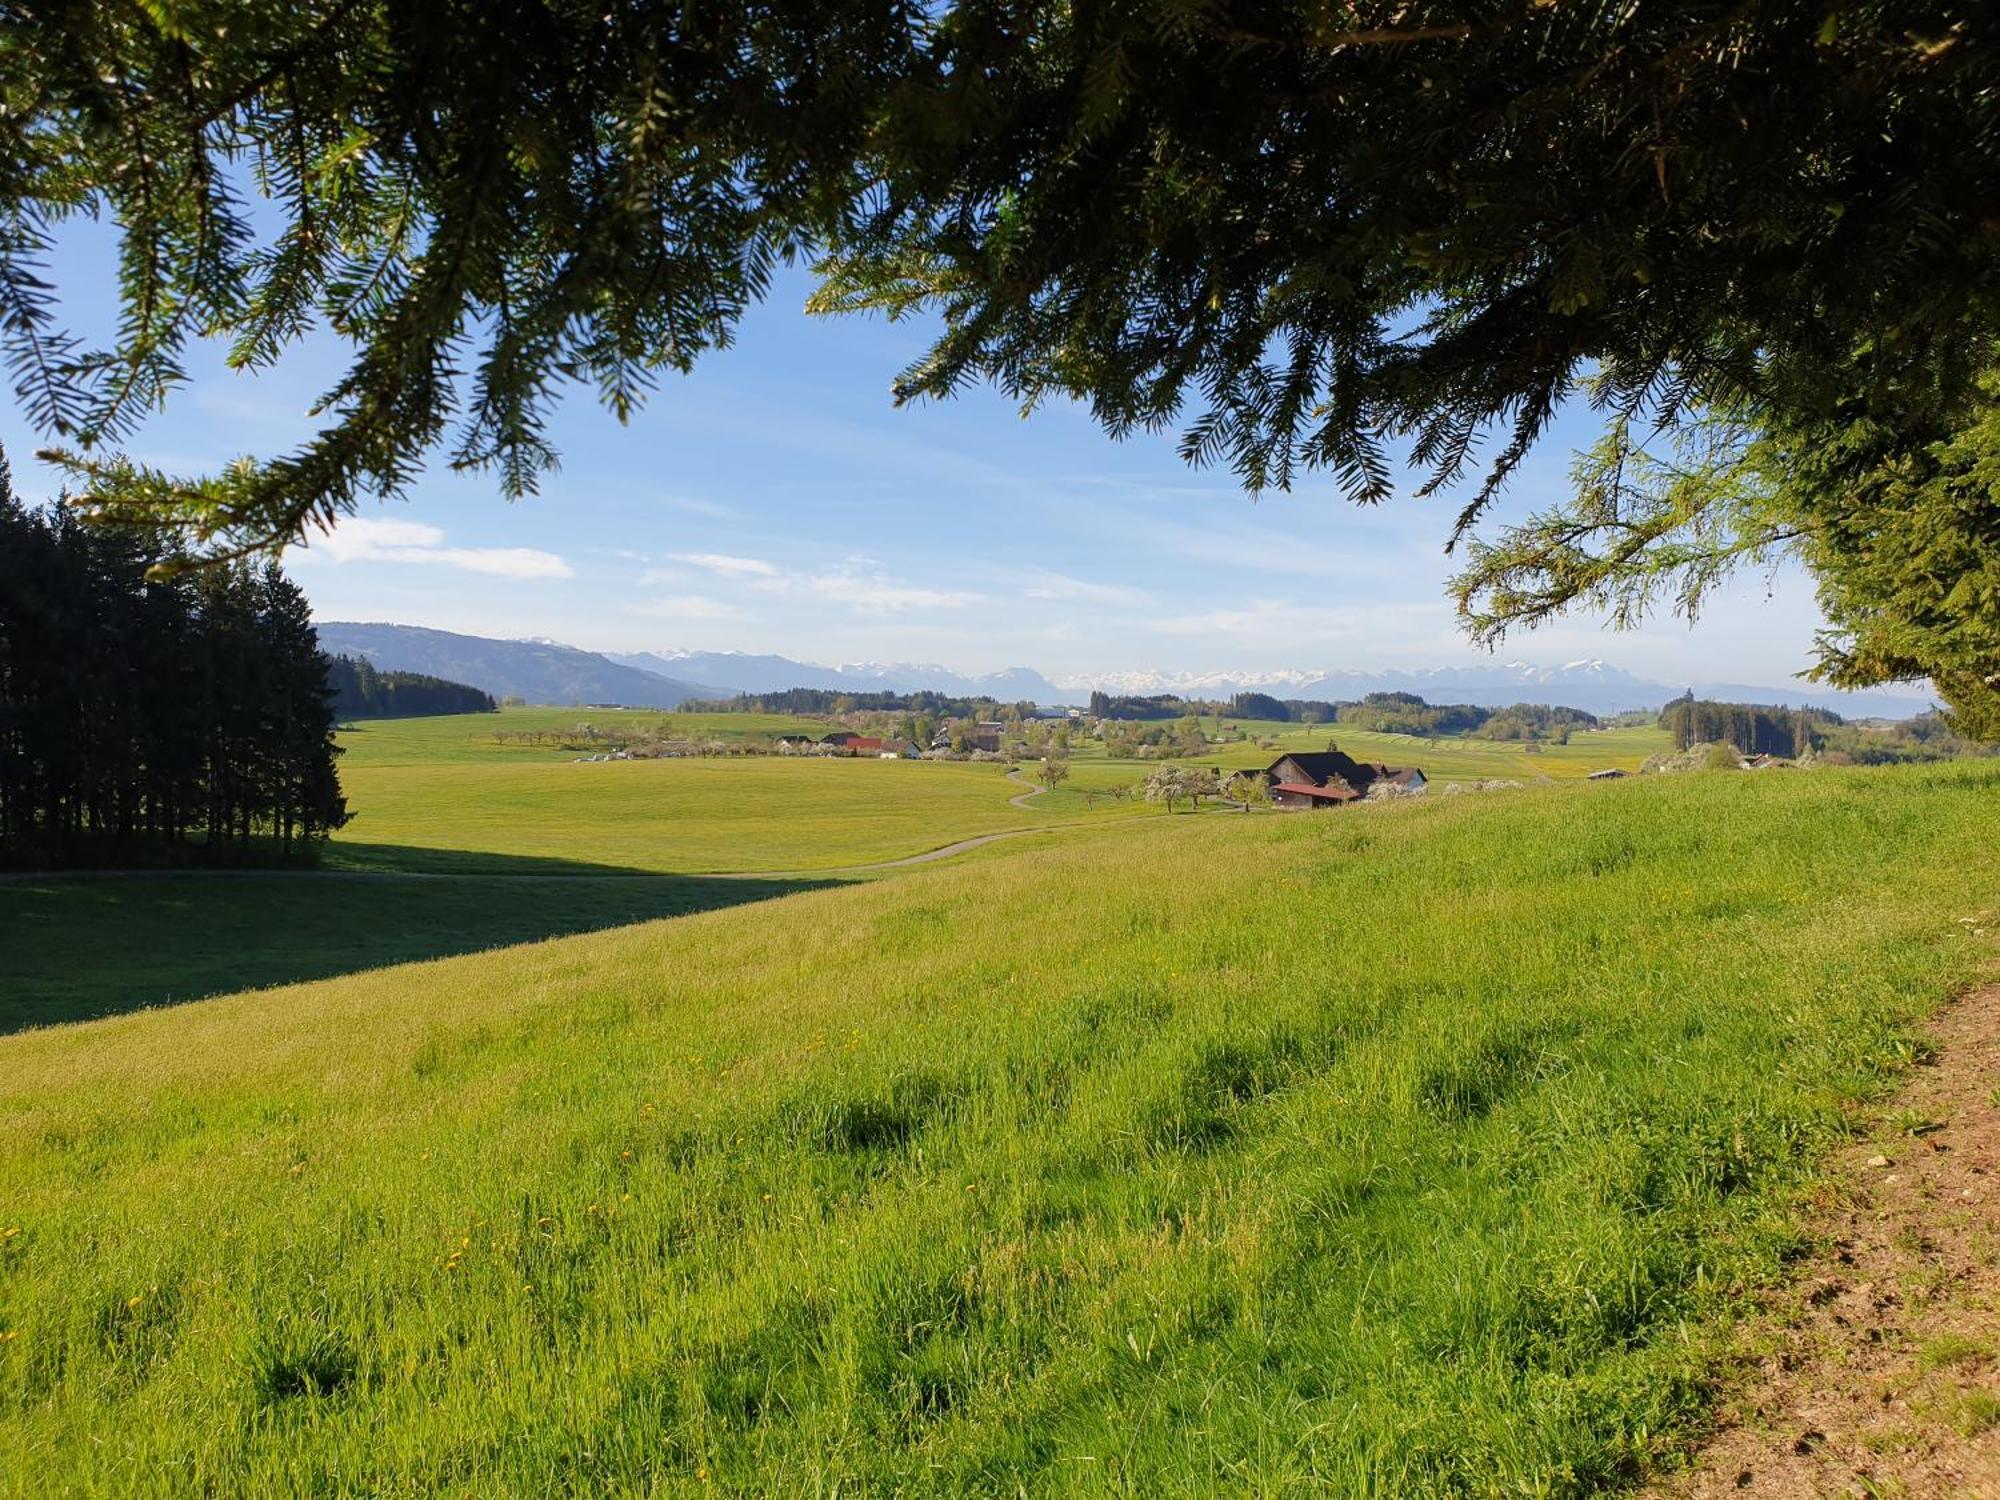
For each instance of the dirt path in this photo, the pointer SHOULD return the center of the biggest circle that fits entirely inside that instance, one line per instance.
(1026, 797)
(1877, 1371)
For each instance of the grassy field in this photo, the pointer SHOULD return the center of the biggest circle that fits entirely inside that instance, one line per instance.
(441, 795)
(534, 845)
(1411, 1151)
(1453, 757)
(477, 737)
(167, 941)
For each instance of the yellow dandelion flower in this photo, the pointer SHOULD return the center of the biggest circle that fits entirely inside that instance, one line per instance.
(131, 1302)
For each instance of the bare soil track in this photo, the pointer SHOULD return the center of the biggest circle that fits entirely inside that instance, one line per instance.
(1876, 1372)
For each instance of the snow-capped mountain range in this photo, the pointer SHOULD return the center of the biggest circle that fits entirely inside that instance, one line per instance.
(545, 671)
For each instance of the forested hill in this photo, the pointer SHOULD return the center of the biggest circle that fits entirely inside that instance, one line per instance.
(361, 692)
(534, 671)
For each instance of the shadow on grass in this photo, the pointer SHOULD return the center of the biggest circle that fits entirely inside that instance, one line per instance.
(73, 948)
(409, 859)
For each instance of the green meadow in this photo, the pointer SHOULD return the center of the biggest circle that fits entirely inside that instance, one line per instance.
(447, 795)
(514, 842)
(497, 736)
(1452, 757)
(1421, 1149)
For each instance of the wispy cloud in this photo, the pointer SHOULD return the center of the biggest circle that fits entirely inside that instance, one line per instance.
(1045, 583)
(856, 584)
(860, 586)
(379, 539)
(687, 607)
(725, 566)
(1283, 622)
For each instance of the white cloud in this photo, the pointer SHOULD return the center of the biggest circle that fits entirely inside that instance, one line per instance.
(1283, 623)
(857, 584)
(726, 566)
(380, 539)
(362, 537)
(501, 562)
(1047, 584)
(687, 607)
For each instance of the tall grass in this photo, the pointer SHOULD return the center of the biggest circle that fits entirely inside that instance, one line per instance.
(1409, 1150)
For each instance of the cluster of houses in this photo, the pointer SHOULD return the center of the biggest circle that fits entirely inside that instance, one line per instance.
(844, 742)
(1315, 779)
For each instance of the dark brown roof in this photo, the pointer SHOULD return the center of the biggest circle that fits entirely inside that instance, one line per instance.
(1324, 793)
(1323, 766)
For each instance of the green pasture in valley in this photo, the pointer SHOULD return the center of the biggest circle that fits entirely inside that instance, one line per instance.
(442, 795)
(504, 735)
(1418, 1149)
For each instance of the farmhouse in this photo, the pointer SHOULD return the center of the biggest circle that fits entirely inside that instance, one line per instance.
(1330, 778)
(980, 734)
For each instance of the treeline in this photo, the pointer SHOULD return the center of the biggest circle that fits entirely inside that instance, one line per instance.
(834, 701)
(1135, 706)
(361, 691)
(1283, 710)
(1407, 713)
(1927, 737)
(145, 717)
(1753, 728)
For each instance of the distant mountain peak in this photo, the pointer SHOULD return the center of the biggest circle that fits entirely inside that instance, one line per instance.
(548, 671)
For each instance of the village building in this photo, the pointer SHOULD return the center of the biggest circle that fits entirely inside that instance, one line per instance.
(1331, 778)
(980, 734)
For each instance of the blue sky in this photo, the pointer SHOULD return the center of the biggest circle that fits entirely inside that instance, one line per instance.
(775, 500)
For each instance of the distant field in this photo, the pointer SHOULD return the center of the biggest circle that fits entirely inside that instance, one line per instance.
(514, 827)
(1418, 1150)
(440, 795)
(476, 737)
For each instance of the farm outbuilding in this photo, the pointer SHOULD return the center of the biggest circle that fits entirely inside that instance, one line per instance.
(1330, 778)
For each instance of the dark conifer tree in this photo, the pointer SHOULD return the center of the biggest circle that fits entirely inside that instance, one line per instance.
(137, 710)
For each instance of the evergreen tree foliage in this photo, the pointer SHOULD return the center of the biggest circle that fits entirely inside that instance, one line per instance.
(1753, 728)
(1302, 233)
(362, 691)
(1904, 541)
(142, 714)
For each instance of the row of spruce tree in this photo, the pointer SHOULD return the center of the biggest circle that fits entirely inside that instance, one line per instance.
(139, 716)
(361, 690)
(1753, 728)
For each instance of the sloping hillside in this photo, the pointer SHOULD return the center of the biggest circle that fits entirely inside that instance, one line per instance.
(1412, 1150)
